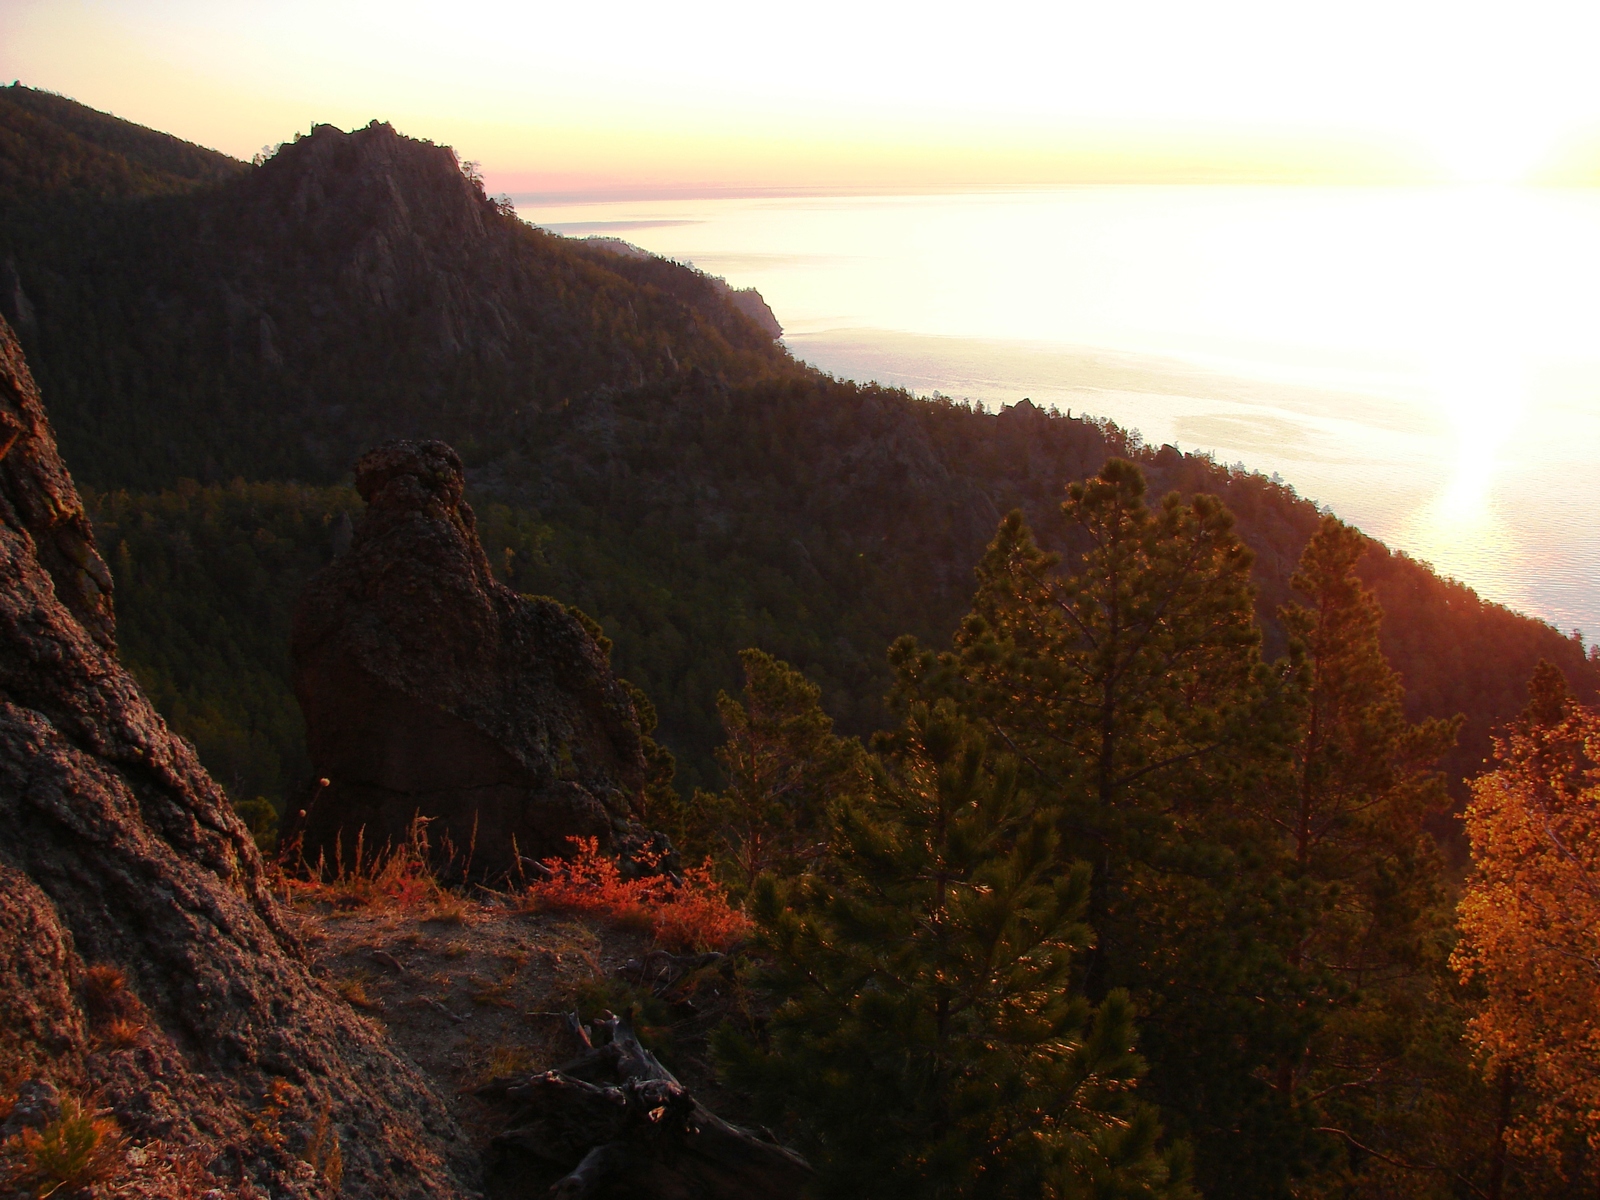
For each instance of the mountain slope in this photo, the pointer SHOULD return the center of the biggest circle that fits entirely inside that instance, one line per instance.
(638, 445)
(55, 148)
(353, 287)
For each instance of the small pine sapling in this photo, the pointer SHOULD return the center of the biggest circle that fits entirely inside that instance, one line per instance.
(784, 766)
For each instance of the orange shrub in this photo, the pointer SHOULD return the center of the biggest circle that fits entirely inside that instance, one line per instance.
(692, 915)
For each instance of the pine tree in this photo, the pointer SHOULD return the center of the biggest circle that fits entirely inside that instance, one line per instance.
(928, 1040)
(784, 765)
(1374, 935)
(1364, 777)
(1127, 680)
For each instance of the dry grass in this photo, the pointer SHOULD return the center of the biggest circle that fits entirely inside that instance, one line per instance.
(324, 1151)
(79, 1148)
(495, 994)
(449, 909)
(391, 877)
(693, 915)
(353, 989)
(508, 1061)
(106, 995)
(121, 1033)
(160, 1170)
(12, 1076)
(268, 1123)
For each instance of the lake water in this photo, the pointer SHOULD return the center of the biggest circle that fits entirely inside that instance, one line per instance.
(1426, 362)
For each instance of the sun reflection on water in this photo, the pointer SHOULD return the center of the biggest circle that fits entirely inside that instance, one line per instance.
(1481, 385)
(1420, 360)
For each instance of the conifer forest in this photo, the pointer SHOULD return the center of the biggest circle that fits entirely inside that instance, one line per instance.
(1087, 818)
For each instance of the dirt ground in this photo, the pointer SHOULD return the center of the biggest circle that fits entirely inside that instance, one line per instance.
(473, 990)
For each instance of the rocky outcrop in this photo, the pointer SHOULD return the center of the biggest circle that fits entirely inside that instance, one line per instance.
(753, 305)
(430, 689)
(747, 300)
(143, 961)
(45, 503)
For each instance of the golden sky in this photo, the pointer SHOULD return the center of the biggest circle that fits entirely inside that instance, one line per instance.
(640, 95)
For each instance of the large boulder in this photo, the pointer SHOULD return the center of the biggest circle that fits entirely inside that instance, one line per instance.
(430, 689)
(144, 964)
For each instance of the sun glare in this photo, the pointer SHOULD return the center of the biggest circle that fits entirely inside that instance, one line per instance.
(1035, 93)
(1497, 152)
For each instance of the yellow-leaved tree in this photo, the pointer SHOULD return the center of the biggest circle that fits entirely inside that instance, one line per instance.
(1530, 923)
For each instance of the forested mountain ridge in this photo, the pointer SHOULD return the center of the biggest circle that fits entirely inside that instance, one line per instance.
(351, 287)
(637, 445)
(56, 149)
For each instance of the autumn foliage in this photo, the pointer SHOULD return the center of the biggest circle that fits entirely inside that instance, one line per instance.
(1530, 919)
(693, 914)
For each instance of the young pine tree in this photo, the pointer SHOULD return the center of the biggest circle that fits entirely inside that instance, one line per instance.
(784, 766)
(1364, 777)
(928, 1040)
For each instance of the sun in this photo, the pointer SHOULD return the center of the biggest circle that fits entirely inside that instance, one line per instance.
(1493, 150)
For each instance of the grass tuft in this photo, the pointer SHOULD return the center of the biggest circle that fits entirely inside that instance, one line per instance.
(324, 1151)
(396, 877)
(353, 989)
(121, 1033)
(79, 1148)
(106, 995)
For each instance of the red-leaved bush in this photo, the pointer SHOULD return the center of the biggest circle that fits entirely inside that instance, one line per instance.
(692, 915)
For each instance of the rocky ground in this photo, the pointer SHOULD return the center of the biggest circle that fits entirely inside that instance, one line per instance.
(180, 1019)
(468, 991)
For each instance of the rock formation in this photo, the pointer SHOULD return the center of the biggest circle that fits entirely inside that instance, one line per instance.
(753, 305)
(144, 965)
(431, 689)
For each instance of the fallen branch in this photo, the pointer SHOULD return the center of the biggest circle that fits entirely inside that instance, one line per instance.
(614, 1117)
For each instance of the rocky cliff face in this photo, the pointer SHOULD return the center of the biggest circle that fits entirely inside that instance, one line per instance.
(430, 689)
(131, 893)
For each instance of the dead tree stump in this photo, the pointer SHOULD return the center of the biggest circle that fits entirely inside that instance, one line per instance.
(621, 1126)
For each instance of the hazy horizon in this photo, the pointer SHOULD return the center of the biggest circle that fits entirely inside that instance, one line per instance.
(855, 96)
(1458, 308)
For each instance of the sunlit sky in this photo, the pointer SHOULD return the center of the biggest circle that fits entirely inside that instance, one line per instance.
(856, 93)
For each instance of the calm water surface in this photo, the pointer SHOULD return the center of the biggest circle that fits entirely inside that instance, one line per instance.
(1426, 362)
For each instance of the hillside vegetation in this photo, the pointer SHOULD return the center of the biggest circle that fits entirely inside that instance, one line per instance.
(1245, 863)
(662, 463)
